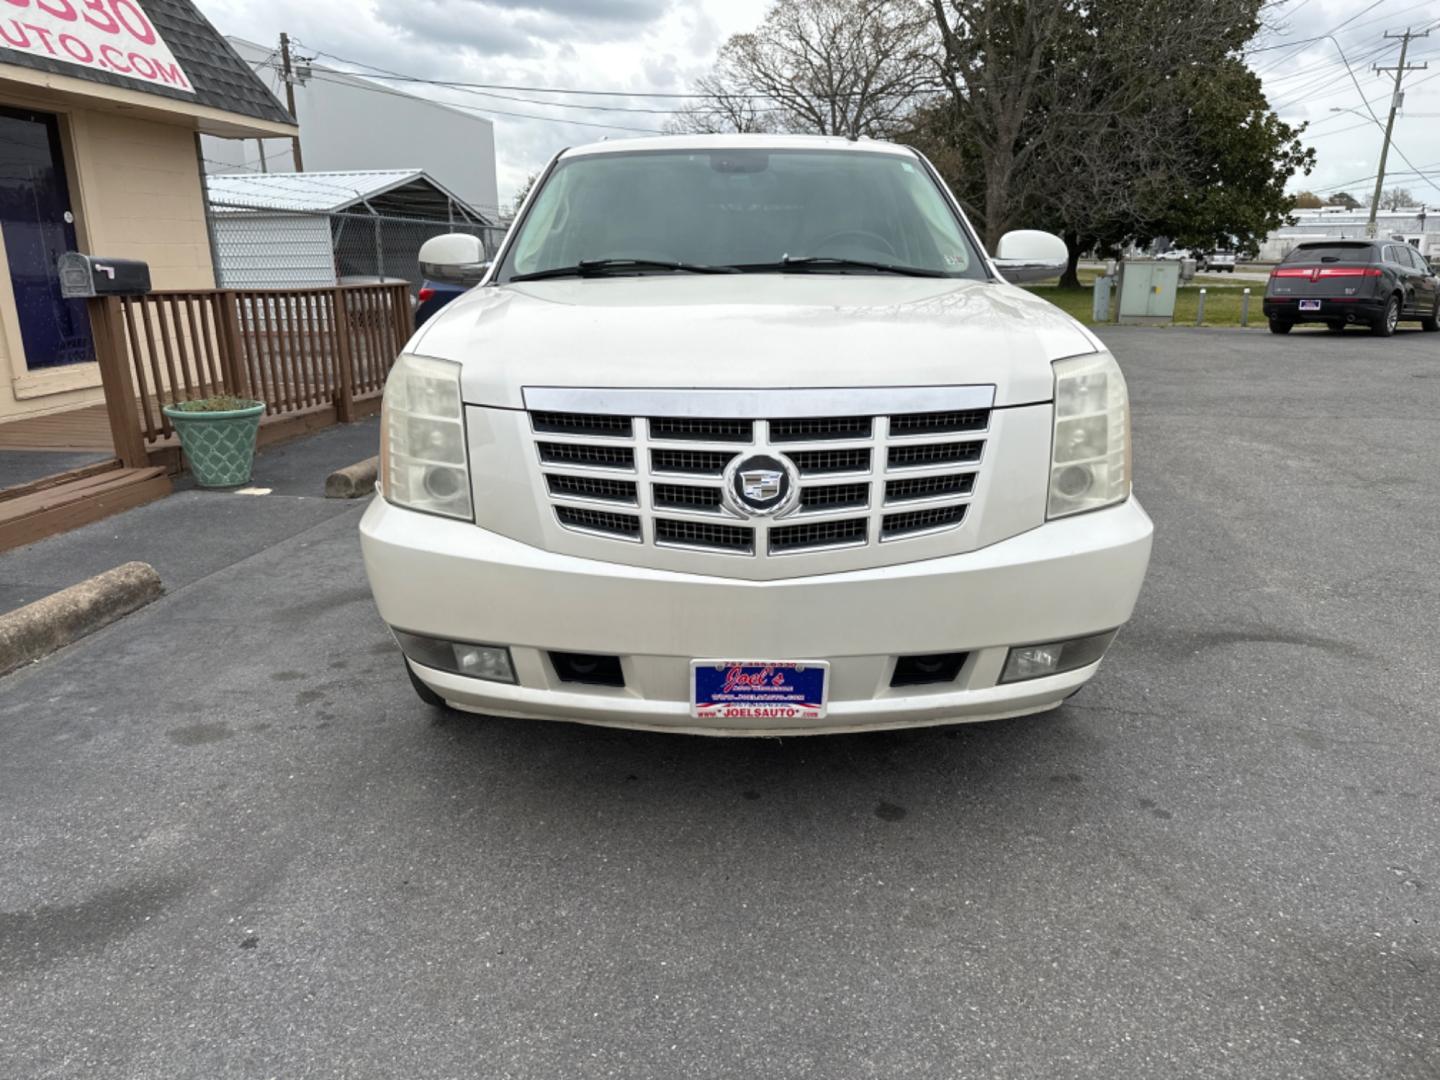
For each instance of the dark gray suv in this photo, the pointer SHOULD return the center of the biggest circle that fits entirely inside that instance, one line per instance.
(1374, 283)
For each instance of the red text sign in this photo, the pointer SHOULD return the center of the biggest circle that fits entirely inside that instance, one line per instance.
(105, 35)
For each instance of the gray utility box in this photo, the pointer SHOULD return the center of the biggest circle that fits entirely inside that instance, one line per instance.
(1147, 290)
(84, 276)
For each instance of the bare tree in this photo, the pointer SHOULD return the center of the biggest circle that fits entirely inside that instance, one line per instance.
(722, 110)
(1396, 198)
(831, 67)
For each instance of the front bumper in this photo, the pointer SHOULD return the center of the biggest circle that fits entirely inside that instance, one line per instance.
(453, 580)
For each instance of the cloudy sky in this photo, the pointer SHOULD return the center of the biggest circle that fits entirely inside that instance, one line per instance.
(662, 45)
(654, 45)
(1307, 76)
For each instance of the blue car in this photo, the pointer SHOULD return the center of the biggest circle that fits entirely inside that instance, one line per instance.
(433, 296)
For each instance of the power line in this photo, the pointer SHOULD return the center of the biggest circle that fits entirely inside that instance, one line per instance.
(521, 100)
(492, 112)
(386, 75)
(1370, 101)
(1365, 179)
(1338, 131)
(1333, 29)
(1389, 17)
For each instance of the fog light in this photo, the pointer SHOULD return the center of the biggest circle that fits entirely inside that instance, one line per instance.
(1055, 657)
(489, 662)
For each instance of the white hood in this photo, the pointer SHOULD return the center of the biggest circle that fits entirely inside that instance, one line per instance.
(752, 330)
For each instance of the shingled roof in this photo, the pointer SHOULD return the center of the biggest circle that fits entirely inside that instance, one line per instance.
(221, 79)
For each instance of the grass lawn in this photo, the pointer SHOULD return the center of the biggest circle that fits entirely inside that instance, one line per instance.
(1222, 302)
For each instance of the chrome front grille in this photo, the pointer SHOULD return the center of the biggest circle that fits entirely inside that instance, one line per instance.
(657, 476)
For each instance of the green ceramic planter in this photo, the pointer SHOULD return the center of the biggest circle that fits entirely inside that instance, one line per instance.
(220, 446)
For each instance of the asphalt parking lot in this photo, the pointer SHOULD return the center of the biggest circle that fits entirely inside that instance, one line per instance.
(236, 845)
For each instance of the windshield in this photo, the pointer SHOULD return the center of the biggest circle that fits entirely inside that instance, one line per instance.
(743, 208)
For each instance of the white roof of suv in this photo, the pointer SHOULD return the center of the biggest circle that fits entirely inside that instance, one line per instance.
(736, 141)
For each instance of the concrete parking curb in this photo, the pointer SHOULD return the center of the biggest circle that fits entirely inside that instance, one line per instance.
(38, 629)
(353, 481)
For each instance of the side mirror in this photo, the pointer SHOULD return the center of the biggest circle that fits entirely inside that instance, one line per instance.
(1030, 255)
(457, 258)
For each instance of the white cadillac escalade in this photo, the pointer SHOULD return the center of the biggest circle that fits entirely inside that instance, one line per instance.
(748, 435)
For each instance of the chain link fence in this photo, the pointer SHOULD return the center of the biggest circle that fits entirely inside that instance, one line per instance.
(257, 247)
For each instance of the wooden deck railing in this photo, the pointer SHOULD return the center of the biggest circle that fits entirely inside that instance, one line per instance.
(297, 350)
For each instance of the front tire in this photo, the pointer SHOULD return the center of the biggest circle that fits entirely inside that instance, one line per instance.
(1278, 327)
(1432, 322)
(1386, 324)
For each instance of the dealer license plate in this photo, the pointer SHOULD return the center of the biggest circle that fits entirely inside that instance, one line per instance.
(759, 689)
(1309, 305)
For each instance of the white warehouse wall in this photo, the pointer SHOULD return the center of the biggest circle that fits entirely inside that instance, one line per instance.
(350, 123)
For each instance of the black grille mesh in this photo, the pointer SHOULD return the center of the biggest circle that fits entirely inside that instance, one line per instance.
(564, 423)
(929, 487)
(687, 497)
(599, 521)
(818, 534)
(819, 462)
(592, 487)
(613, 457)
(834, 496)
(676, 427)
(939, 423)
(699, 462)
(703, 534)
(934, 454)
(910, 521)
(820, 427)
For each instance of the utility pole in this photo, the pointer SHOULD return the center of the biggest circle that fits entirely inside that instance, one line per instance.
(290, 99)
(1371, 230)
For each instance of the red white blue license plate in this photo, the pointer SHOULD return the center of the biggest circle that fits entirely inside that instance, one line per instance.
(1309, 305)
(759, 689)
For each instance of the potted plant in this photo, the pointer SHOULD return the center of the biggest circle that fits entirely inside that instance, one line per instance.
(217, 435)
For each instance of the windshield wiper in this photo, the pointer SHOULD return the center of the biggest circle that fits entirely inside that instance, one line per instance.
(801, 264)
(598, 267)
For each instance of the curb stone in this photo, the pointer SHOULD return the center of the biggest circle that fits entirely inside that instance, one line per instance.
(38, 629)
(353, 481)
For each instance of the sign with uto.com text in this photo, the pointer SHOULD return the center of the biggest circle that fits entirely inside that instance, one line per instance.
(104, 35)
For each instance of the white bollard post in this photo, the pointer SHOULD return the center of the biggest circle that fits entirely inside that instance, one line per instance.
(1200, 309)
(1245, 308)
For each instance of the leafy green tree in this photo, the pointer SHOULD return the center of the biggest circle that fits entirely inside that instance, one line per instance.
(1108, 120)
(524, 192)
(1241, 156)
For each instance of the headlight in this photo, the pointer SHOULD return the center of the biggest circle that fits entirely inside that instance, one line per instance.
(422, 438)
(1090, 452)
